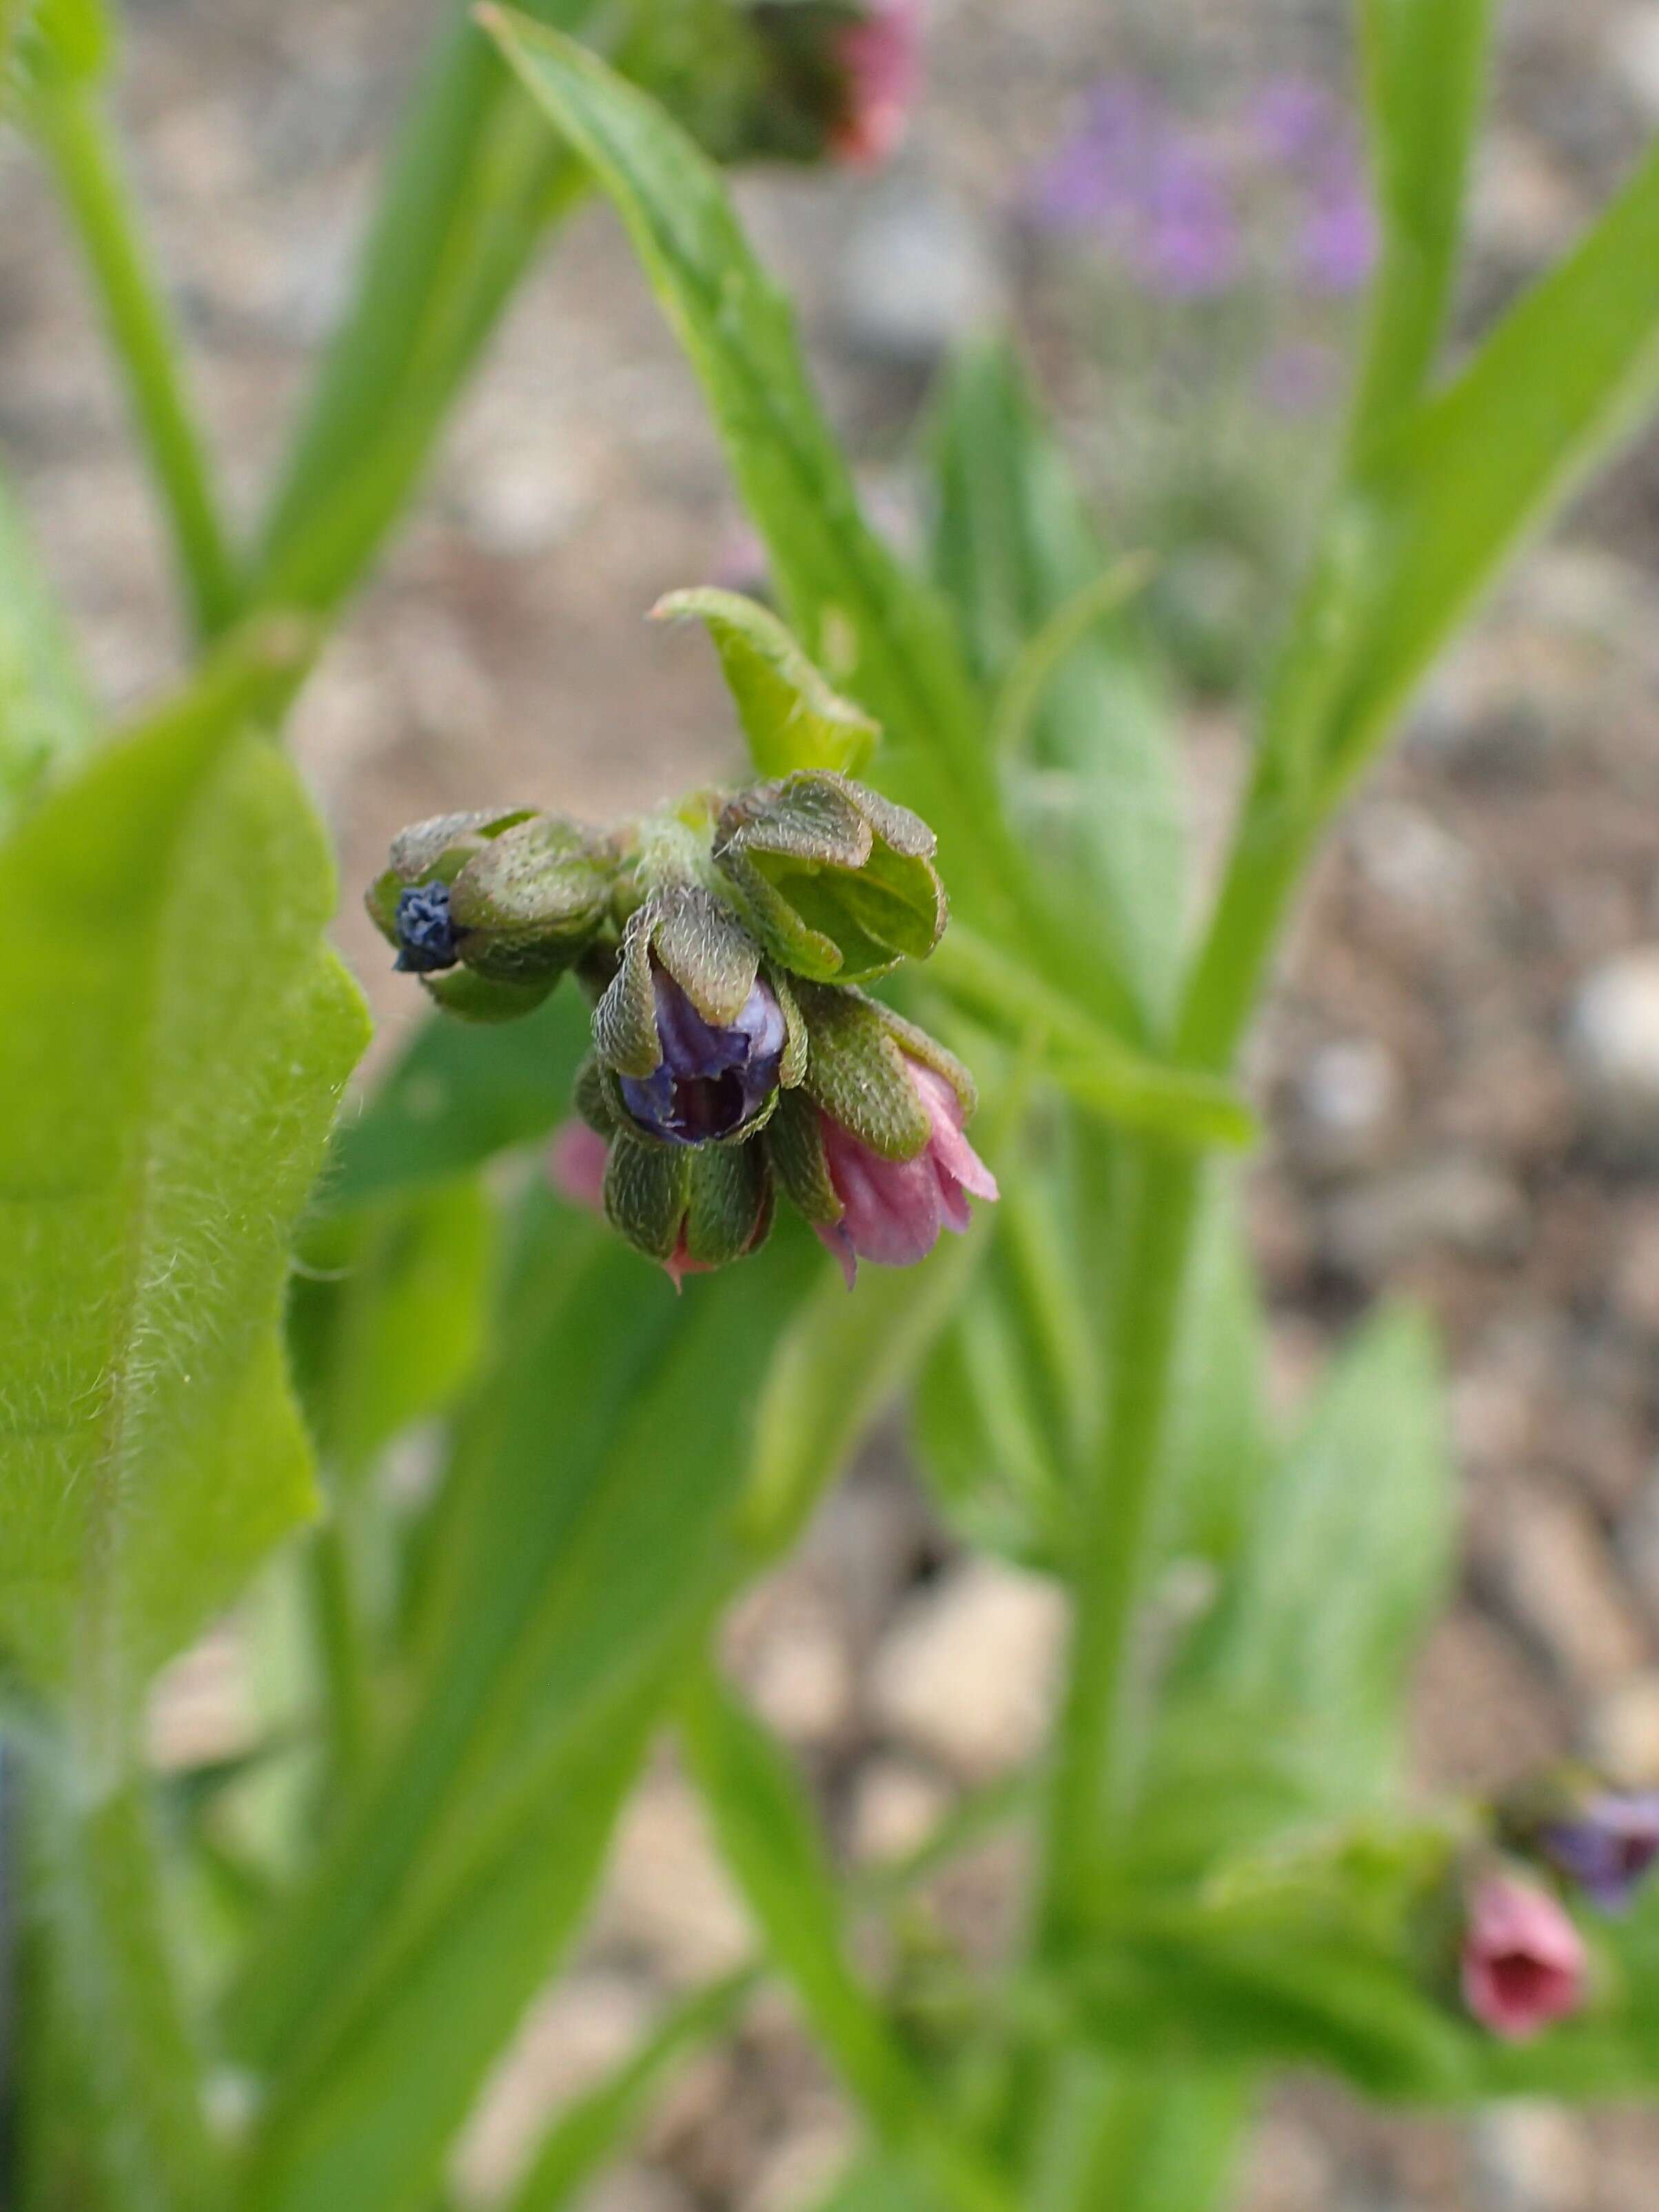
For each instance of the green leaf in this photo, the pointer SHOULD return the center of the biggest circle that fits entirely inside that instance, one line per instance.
(769, 1838)
(878, 634)
(457, 1096)
(1220, 1443)
(386, 1317)
(1425, 71)
(46, 713)
(59, 42)
(790, 714)
(1287, 1703)
(1142, 2140)
(173, 1040)
(1100, 792)
(1441, 503)
(581, 1538)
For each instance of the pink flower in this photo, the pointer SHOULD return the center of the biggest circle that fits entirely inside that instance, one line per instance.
(893, 1210)
(882, 58)
(1523, 1964)
(575, 1166)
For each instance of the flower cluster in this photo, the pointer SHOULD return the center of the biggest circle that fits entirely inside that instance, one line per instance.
(1524, 1962)
(724, 947)
(1172, 202)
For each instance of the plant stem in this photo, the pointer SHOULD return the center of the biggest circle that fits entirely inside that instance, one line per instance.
(76, 131)
(1118, 1520)
(342, 1654)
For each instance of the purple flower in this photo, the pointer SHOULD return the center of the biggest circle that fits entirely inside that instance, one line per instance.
(710, 1081)
(1298, 122)
(892, 1211)
(1524, 1962)
(426, 940)
(1131, 176)
(1606, 1847)
(1338, 244)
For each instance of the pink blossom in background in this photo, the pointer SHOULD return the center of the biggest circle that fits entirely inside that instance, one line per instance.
(882, 58)
(895, 1209)
(575, 1166)
(1524, 1962)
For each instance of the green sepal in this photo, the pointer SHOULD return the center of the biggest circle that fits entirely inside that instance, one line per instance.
(796, 1145)
(918, 1044)
(841, 882)
(472, 997)
(729, 1211)
(856, 1071)
(797, 1040)
(533, 896)
(593, 1099)
(441, 847)
(706, 949)
(702, 946)
(646, 1188)
(625, 1019)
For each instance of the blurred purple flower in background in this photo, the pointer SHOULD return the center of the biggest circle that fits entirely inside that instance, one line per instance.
(1170, 202)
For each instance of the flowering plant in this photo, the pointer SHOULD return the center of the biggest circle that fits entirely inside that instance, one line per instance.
(279, 1983)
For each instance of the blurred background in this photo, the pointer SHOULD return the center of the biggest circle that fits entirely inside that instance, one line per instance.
(1462, 1060)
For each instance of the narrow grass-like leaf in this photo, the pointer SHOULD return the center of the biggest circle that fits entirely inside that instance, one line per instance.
(792, 718)
(769, 1838)
(1425, 70)
(45, 712)
(1442, 502)
(174, 1040)
(581, 1539)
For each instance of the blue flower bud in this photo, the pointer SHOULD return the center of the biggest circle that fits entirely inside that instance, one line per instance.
(1607, 1846)
(711, 1080)
(426, 940)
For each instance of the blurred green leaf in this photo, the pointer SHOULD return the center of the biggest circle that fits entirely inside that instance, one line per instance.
(769, 1837)
(45, 712)
(1141, 2139)
(59, 42)
(386, 1317)
(1425, 72)
(1220, 1449)
(1012, 547)
(459, 1094)
(173, 1040)
(1286, 1703)
(792, 718)
(1442, 502)
(582, 1536)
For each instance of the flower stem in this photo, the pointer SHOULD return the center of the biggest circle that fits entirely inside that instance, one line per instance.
(80, 143)
(1118, 1520)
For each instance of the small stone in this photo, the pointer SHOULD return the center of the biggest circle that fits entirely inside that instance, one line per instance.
(1613, 1031)
(1623, 1732)
(1411, 860)
(967, 1672)
(667, 1893)
(1347, 1094)
(1636, 1271)
(571, 2037)
(1558, 1575)
(896, 1805)
(1456, 1202)
(1288, 2170)
(917, 276)
(1633, 56)
(1531, 2156)
(797, 2173)
(801, 1681)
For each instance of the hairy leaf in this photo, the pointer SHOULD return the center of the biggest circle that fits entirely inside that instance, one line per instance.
(174, 1040)
(46, 713)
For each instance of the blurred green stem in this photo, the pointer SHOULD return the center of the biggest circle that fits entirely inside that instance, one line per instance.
(76, 132)
(1118, 1519)
(340, 1650)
